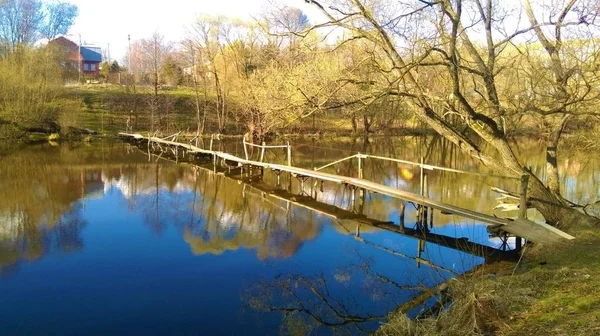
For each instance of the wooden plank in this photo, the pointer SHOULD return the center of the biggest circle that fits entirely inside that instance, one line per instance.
(408, 196)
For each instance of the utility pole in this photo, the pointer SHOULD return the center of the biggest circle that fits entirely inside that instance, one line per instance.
(129, 53)
(130, 65)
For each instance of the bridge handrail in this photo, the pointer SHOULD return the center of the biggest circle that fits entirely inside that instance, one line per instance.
(338, 161)
(264, 146)
(433, 167)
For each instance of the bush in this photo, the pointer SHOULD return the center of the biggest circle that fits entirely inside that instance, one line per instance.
(69, 113)
(29, 82)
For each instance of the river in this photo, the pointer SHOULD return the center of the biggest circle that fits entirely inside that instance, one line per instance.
(102, 239)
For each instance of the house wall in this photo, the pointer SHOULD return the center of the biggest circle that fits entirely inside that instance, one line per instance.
(72, 59)
(86, 66)
(69, 49)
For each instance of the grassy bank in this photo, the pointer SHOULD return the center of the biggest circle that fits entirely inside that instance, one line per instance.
(106, 108)
(553, 290)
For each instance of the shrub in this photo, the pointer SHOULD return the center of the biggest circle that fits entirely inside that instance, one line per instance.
(29, 82)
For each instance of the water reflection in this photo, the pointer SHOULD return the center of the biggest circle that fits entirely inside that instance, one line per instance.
(175, 236)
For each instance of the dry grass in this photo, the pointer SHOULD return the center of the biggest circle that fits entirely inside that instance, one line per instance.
(553, 291)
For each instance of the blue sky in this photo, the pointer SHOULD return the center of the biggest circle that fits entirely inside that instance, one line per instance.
(110, 21)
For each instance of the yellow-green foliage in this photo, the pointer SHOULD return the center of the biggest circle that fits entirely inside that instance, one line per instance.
(29, 80)
(69, 113)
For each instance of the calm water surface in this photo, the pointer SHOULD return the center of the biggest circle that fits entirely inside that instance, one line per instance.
(97, 239)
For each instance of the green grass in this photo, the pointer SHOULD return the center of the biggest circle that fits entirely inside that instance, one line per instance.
(555, 290)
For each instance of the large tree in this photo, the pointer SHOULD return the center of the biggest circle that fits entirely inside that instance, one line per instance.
(444, 58)
(23, 22)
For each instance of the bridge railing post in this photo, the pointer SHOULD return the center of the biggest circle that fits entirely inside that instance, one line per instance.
(245, 148)
(289, 154)
(210, 147)
(262, 151)
(523, 200)
(360, 169)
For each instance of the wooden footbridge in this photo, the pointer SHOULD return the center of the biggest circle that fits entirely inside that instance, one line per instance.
(519, 227)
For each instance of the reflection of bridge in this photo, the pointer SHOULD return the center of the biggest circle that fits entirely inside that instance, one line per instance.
(520, 227)
(421, 232)
(355, 216)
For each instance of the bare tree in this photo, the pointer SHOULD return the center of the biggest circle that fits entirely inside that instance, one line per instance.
(20, 22)
(193, 56)
(60, 16)
(207, 33)
(23, 22)
(410, 38)
(573, 73)
(154, 52)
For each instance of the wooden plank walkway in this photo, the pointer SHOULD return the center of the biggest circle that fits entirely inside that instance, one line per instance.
(532, 231)
(342, 215)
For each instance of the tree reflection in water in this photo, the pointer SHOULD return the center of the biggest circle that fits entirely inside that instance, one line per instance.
(43, 191)
(31, 241)
(320, 303)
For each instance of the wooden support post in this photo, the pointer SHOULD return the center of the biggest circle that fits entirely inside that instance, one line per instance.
(278, 173)
(245, 148)
(289, 154)
(212, 136)
(518, 244)
(431, 218)
(262, 151)
(402, 210)
(523, 204)
(421, 178)
(361, 196)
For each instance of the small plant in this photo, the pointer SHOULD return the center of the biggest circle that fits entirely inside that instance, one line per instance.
(53, 137)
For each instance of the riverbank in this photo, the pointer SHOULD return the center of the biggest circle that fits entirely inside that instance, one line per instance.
(107, 108)
(552, 290)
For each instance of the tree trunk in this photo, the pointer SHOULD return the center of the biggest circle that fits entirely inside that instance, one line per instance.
(552, 154)
(199, 123)
(555, 209)
(204, 109)
(367, 124)
(219, 101)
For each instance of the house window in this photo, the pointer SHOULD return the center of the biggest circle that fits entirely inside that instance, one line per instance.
(89, 67)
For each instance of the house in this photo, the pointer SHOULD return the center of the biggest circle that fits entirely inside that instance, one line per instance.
(83, 59)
